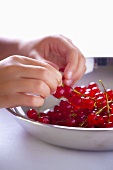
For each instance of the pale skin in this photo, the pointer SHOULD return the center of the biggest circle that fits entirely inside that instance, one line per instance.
(29, 70)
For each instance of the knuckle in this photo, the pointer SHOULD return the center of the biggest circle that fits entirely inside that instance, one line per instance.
(11, 69)
(31, 101)
(46, 66)
(43, 90)
(44, 73)
(74, 51)
(35, 85)
(13, 65)
(54, 87)
(14, 58)
(40, 86)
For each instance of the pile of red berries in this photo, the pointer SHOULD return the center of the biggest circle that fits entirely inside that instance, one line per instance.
(82, 106)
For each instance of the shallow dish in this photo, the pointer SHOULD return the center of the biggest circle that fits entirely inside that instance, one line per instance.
(93, 139)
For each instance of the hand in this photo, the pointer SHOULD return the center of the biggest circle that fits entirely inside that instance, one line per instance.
(60, 52)
(26, 82)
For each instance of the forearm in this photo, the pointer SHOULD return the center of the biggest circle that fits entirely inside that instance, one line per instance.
(9, 47)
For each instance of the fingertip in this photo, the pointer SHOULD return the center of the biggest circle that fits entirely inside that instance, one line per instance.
(69, 74)
(60, 84)
(68, 82)
(69, 71)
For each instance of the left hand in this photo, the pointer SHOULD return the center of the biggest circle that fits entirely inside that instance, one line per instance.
(60, 52)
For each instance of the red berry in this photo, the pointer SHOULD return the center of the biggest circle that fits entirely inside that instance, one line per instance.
(111, 108)
(100, 120)
(101, 102)
(105, 118)
(94, 90)
(71, 122)
(92, 84)
(109, 125)
(32, 114)
(87, 107)
(109, 93)
(80, 89)
(76, 101)
(61, 69)
(87, 103)
(111, 118)
(67, 91)
(59, 92)
(92, 119)
(44, 120)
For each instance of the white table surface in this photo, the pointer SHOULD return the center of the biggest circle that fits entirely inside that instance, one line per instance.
(21, 151)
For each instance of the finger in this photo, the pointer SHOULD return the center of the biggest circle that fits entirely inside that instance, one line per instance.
(7, 101)
(22, 60)
(51, 78)
(79, 71)
(70, 41)
(25, 67)
(29, 86)
(53, 68)
(34, 54)
(75, 65)
(71, 54)
(40, 62)
(31, 68)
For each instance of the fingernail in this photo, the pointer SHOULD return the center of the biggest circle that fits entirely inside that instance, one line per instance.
(69, 74)
(68, 82)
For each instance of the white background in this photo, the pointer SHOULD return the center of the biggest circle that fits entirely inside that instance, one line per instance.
(87, 22)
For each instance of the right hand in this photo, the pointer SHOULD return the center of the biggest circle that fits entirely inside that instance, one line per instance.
(60, 52)
(26, 82)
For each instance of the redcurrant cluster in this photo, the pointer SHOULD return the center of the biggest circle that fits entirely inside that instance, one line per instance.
(82, 106)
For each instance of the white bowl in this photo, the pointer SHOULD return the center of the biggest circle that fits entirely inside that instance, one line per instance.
(93, 139)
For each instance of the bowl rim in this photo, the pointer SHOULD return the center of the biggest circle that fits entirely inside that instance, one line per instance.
(21, 117)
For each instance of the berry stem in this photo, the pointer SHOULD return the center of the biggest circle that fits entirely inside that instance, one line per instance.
(106, 96)
(93, 98)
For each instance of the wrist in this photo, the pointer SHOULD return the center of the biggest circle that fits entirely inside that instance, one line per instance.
(9, 47)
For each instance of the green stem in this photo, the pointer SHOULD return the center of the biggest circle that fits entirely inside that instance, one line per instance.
(93, 98)
(106, 96)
